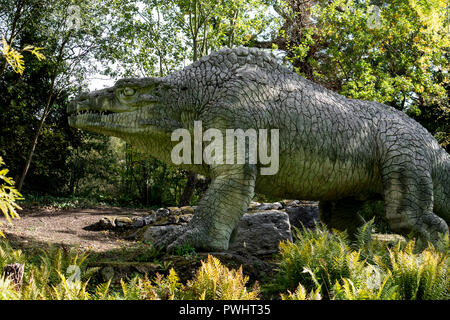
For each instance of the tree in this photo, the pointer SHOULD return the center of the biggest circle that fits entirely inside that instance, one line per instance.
(67, 48)
(14, 19)
(394, 53)
(164, 36)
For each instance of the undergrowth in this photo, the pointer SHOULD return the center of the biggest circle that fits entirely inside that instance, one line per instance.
(318, 264)
(321, 264)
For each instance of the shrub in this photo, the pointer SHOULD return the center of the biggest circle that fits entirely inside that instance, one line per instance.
(7, 291)
(420, 276)
(301, 294)
(318, 258)
(8, 195)
(326, 264)
(214, 281)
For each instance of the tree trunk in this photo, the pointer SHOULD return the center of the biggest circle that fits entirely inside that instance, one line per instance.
(36, 136)
(15, 273)
(188, 192)
(46, 112)
(30, 154)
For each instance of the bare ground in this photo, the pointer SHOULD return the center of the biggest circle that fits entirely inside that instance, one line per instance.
(49, 226)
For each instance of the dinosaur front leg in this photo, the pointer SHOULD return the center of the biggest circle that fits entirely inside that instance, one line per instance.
(219, 211)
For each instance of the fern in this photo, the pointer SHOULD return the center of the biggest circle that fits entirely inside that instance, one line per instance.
(213, 281)
(301, 294)
(7, 291)
(323, 253)
(70, 290)
(102, 291)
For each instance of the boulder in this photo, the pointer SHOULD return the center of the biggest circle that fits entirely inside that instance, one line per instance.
(123, 222)
(162, 212)
(253, 205)
(138, 222)
(150, 219)
(260, 233)
(286, 202)
(174, 210)
(267, 206)
(187, 210)
(105, 223)
(151, 233)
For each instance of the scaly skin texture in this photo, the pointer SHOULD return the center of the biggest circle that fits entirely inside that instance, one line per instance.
(333, 149)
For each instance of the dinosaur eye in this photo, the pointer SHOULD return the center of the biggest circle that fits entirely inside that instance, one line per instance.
(128, 91)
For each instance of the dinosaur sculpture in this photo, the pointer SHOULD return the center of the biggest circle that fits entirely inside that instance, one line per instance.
(339, 151)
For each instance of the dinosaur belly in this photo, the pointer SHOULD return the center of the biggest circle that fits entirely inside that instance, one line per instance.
(316, 178)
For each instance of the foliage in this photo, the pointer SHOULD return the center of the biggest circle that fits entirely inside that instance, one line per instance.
(166, 36)
(301, 294)
(8, 195)
(51, 277)
(392, 272)
(51, 273)
(317, 258)
(162, 288)
(60, 203)
(420, 277)
(214, 281)
(15, 59)
(185, 250)
(7, 291)
(395, 53)
(372, 271)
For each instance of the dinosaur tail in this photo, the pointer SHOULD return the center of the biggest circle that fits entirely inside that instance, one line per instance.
(442, 186)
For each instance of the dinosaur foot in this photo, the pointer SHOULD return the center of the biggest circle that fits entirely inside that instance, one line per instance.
(195, 237)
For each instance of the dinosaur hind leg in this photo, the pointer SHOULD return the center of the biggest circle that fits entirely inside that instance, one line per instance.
(408, 196)
(342, 215)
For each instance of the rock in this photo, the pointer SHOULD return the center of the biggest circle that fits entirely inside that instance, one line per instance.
(185, 218)
(150, 233)
(150, 219)
(308, 215)
(260, 233)
(105, 223)
(253, 205)
(187, 210)
(123, 222)
(268, 206)
(174, 210)
(107, 273)
(162, 212)
(286, 203)
(138, 222)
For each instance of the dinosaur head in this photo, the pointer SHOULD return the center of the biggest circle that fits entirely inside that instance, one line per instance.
(139, 111)
(131, 107)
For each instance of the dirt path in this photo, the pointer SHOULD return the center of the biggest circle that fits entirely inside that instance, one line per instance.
(40, 226)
